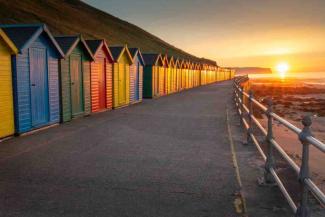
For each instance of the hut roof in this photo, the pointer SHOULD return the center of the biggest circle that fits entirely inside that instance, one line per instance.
(117, 52)
(136, 51)
(152, 58)
(95, 45)
(9, 43)
(69, 42)
(22, 35)
(165, 59)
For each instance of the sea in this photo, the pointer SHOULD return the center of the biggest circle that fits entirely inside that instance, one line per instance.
(306, 78)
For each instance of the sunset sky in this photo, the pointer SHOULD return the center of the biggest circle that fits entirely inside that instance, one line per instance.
(234, 32)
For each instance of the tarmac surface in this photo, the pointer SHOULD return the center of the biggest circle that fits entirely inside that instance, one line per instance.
(164, 157)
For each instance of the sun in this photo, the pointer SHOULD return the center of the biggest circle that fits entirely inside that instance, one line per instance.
(282, 68)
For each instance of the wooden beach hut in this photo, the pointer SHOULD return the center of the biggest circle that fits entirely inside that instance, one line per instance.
(178, 75)
(187, 74)
(7, 48)
(203, 75)
(75, 77)
(35, 76)
(165, 76)
(171, 75)
(153, 65)
(101, 76)
(121, 75)
(197, 70)
(183, 66)
(190, 75)
(136, 76)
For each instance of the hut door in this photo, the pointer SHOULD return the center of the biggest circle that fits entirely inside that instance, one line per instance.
(102, 84)
(122, 84)
(136, 85)
(76, 85)
(39, 90)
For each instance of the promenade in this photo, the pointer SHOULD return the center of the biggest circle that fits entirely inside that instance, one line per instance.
(165, 157)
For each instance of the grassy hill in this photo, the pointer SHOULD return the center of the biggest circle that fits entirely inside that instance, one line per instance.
(74, 16)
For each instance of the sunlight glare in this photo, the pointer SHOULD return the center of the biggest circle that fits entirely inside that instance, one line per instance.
(282, 69)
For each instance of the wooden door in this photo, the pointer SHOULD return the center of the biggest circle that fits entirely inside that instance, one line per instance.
(102, 83)
(137, 82)
(77, 102)
(122, 84)
(39, 87)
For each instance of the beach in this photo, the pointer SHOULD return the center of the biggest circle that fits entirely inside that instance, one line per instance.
(293, 98)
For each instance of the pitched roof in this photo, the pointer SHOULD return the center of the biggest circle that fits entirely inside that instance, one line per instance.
(177, 62)
(133, 51)
(22, 35)
(136, 51)
(96, 44)
(151, 58)
(165, 59)
(171, 61)
(69, 42)
(117, 52)
(8, 42)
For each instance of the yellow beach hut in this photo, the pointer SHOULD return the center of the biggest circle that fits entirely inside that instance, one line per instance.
(121, 75)
(170, 75)
(7, 47)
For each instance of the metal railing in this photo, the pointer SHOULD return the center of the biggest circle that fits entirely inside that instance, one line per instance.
(304, 135)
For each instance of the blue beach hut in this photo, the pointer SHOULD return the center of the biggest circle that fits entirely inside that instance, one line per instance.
(136, 76)
(35, 76)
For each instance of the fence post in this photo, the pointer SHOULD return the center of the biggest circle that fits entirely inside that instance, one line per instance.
(235, 90)
(250, 113)
(242, 101)
(270, 163)
(303, 210)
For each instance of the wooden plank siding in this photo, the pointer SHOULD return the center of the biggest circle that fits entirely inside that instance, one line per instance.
(101, 74)
(136, 84)
(22, 89)
(7, 126)
(65, 75)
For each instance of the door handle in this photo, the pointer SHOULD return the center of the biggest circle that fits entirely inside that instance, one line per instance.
(33, 85)
(72, 83)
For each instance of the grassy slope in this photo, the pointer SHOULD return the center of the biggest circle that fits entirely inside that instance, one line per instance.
(74, 16)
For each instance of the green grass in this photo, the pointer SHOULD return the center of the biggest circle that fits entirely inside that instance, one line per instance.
(74, 16)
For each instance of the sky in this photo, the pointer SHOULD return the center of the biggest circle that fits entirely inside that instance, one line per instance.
(244, 33)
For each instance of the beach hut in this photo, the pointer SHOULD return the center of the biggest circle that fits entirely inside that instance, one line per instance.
(7, 48)
(183, 66)
(171, 74)
(196, 75)
(75, 77)
(203, 76)
(35, 76)
(187, 74)
(177, 75)
(101, 76)
(153, 65)
(191, 75)
(164, 76)
(121, 75)
(136, 75)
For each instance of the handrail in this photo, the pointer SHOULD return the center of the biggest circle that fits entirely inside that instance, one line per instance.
(304, 136)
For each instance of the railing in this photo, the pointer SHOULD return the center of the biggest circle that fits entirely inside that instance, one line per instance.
(304, 135)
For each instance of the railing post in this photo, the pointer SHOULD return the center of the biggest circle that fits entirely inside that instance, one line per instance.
(270, 163)
(303, 210)
(235, 90)
(242, 101)
(250, 113)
